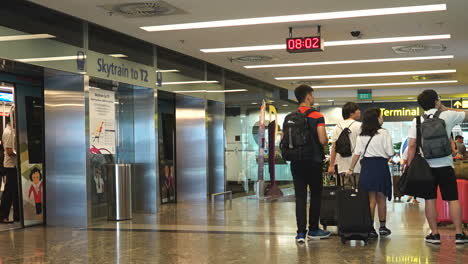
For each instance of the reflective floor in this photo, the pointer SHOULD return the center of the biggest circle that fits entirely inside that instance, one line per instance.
(251, 231)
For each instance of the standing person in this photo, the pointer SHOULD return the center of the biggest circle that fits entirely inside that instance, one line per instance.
(351, 115)
(442, 168)
(10, 195)
(307, 171)
(375, 147)
(461, 148)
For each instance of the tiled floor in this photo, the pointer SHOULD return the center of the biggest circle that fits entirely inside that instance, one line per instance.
(251, 232)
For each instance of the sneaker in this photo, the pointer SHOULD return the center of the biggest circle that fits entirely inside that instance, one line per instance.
(433, 239)
(318, 234)
(461, 238)
(384, 231)
(373, 234)
(301, 237)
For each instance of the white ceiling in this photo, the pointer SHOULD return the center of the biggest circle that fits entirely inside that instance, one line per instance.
(452, 22)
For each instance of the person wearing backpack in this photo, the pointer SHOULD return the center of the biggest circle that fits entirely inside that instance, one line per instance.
(344, 141)
(374, 147)
(303, 138)
(436, 126)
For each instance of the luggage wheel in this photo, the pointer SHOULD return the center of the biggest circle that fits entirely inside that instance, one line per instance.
(343, 240)
(366, 241)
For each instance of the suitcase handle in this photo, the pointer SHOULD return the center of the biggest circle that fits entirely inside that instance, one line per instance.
(337, 177)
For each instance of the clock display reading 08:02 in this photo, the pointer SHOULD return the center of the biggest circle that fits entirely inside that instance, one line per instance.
(305, 44)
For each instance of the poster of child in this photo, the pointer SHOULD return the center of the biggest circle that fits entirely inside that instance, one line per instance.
(36, 189)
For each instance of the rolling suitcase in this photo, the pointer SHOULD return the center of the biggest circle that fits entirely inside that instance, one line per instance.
(328, 208)
(443, 212)
(354, 219)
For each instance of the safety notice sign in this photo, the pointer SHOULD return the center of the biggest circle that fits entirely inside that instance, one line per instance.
(102, 121)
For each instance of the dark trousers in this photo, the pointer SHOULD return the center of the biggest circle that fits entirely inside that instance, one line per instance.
(10, 195)
(307, 174)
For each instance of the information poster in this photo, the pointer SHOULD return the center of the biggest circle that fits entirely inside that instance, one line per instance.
(102, 121)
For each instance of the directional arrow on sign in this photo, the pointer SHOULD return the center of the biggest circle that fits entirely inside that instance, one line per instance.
(457, 104)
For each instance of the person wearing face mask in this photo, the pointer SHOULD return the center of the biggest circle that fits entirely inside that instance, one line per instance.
(375, 146)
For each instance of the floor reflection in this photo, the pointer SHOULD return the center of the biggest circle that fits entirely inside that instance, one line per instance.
(251, 232)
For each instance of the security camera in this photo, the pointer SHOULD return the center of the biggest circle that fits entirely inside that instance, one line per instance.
(356, 33)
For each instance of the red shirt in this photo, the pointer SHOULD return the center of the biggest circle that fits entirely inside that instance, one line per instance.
(37, 193)
(316, 119)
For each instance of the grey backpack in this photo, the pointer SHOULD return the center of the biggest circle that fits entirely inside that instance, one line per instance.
(435, 141)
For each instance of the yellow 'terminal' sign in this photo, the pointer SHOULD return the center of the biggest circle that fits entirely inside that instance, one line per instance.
(461, 104)
(400, 112)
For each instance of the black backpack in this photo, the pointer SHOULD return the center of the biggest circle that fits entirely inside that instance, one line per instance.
(343, 143)
(299, 142)
(435, 141)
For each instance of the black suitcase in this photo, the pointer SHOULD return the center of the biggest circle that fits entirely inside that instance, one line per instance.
(328, 207)
(354, 219)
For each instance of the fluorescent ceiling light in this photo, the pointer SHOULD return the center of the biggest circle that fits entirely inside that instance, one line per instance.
(331, 100)
(331, 43)
(384, 40)
(382, 84)
(227, 91)
(191, 91)
(299, 18)
(26, 37)
(358, 75)
(118, 55)
(167, 71)
(348, 62)
(188, 82)
(212, 91)
(60, 58)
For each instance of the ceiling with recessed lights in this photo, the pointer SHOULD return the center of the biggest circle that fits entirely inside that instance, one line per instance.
(434, 51)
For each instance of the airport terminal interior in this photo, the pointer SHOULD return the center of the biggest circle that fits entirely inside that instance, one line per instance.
(153, 131)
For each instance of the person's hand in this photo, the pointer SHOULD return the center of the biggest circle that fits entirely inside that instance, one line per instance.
(349, 173)
(442, 107)
(331, 170)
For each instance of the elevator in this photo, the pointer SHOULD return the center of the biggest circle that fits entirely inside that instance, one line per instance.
(191, 147)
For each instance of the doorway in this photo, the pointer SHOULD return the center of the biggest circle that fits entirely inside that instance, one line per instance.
(167, 146)
(22, 125)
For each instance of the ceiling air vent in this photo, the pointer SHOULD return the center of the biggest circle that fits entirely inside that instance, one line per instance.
(143, 9)
(418, 48)
(250, 58)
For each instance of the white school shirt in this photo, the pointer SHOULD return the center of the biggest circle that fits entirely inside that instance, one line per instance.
(8, 139)
(451, 119)
(355, 127)
(380, 146)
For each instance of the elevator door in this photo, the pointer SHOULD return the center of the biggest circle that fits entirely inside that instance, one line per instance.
(191, 149)
(215, 137)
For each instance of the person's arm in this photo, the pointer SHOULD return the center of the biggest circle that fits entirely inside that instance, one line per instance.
(444, 108)
(322, 135)
(331, 168)
(411, 150)
(355, 159)
(388, 144)
(454, 147)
